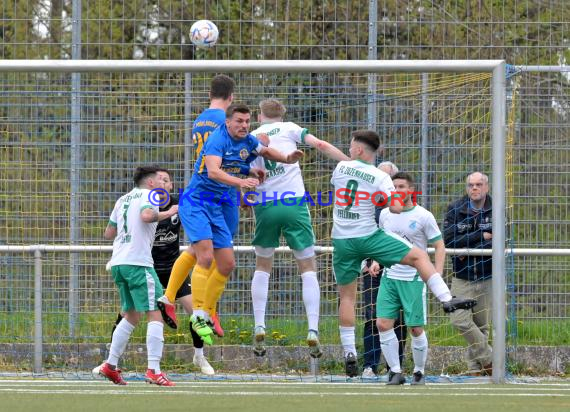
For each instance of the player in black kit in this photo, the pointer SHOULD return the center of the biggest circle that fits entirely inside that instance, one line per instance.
(165, 251)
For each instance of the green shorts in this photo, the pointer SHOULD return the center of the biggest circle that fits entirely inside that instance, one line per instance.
(348, 254)
(401, 294)
(283, 216)
(139, 287)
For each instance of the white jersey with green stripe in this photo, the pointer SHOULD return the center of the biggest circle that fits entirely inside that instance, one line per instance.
(418, 226)
(282, 180)
(133, 243)
(355, 183)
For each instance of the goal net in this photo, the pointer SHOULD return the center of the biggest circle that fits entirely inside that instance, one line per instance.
(64, 167)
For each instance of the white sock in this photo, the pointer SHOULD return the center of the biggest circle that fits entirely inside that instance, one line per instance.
(259, 291)
(389, 344)
(347, 339)
(119, 341)
(419, 352)
(311, 298)
(199, 351)
(439, 288)
(154, 344)
(200, 313)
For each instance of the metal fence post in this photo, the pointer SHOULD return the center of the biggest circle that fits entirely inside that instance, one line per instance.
(75, 178)
(38, 330)
(188, 143)
(499, 220)
(425, 142)
(372, 55)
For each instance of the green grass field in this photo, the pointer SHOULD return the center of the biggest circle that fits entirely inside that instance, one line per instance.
(96, 328)
(48, 396)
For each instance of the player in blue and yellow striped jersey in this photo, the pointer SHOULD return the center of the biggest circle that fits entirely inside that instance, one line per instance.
(221, 97)
(225, 156)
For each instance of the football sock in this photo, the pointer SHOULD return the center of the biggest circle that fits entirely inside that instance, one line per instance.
(180, 270)
(389, 344)
(347, 339)
(154, 344)
(119, 341)
(259, 291)
(439, 288)
(196, 339)
(117, 321)
(311, 298)
(198, 283)
(419, 352)
(215, 286)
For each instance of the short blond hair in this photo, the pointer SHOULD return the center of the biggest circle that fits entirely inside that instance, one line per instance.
(272, 108)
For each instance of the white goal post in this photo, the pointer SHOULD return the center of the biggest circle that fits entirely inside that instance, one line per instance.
(498, 132)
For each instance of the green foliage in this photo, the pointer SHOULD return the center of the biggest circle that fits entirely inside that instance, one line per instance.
(298, 29)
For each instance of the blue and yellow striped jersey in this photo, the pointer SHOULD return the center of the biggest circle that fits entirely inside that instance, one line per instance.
(204, 125)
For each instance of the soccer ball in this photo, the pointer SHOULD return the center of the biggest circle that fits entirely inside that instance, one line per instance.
(204, 34)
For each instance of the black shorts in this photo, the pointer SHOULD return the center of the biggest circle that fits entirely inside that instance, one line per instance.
(184, 290)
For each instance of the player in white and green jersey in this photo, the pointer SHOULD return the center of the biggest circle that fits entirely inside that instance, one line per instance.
(401, 286)
(132, 226)
(359, 186)
(279, 210)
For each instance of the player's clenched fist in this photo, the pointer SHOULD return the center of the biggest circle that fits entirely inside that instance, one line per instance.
(294, 156)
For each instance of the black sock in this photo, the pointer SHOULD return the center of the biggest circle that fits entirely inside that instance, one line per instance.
(196, 339)
(119, 319)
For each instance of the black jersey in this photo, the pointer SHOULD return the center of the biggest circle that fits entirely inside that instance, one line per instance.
(166, 246)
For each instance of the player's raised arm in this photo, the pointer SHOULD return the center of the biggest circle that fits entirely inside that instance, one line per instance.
(215, 172)
(150, 215)
(272, 154)
(326, 148)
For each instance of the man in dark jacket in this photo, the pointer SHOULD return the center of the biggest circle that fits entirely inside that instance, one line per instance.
(468, 224)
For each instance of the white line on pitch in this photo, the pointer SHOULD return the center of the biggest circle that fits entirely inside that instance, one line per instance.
(354, 385)
(430, 387)
(257, 393)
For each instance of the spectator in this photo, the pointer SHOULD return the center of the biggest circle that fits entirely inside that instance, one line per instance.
(468, 224)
